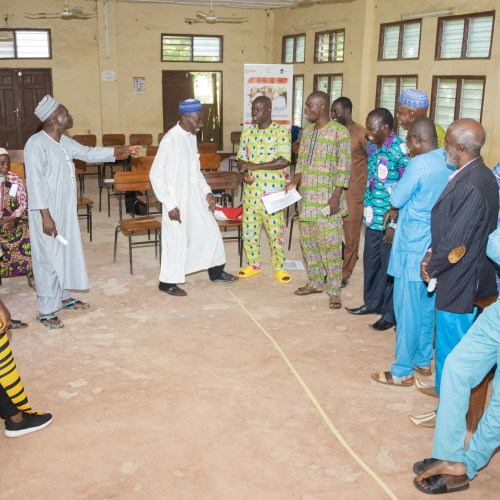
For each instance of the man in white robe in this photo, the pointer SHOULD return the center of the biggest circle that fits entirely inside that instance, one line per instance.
(52, 209)
(191, 239)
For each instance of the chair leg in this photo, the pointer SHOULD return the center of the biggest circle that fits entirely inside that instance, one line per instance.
(109, 202)
(116, 242)
(159, 239)
(130, 251)
(240, 243)
(156, 243)
(90, 220)
(291, 231)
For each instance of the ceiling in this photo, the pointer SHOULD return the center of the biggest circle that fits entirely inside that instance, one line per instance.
(242, 4)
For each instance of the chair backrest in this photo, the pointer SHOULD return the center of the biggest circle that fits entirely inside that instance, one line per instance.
(113, 140)
(141, 139)
(16, 155)
(132, 181)
(235, 137)
(18, 169)
(209, 161)
(80, 166)
(219, 181)
(86, 140)
(142, 164)
(160, 136)
(207, 148)
(152, 150)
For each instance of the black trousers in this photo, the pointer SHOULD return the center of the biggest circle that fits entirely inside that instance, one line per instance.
(213, 273)
(7, 407)
(378, 287)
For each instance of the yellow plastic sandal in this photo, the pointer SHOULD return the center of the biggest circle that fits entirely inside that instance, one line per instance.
(282, 276)
(248, 272)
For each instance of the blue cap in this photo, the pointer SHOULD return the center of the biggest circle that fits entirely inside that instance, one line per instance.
(189, 106)
(414, 98)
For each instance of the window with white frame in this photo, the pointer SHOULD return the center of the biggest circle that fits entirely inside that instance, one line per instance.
(465, 37)
(25, 44)
(455, 97)
(329, 46)
(330, 84)
(389, 88)
(293, 49)
(298, 100)
(399, 40)
(186, 48)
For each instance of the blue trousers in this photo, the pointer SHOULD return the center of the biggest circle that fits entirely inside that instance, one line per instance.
(465, 367)
(450, 328)
(377, 286)
(414, 310)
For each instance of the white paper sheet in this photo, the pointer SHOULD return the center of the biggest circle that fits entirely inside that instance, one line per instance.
(278, 201)
(292, 265)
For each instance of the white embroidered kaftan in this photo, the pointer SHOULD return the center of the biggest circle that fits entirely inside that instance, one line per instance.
(195, 243)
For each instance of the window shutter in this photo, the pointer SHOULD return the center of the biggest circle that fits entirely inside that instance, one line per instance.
(471, 99)
(411, 40)
(322, 84)
(391, 42)
(479, 37)
(452, 38)
(446, 97)
(300, 43)
(336, 87)
(322, 47)
(6, 44)
(298, 100)
(289, 50)
(32, 44)
(388, 94)
(338, 47)
(206, 48)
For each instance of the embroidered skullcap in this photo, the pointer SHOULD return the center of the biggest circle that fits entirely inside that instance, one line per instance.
(189, 106)
(3, 151)
(414, 98)
(46, 107)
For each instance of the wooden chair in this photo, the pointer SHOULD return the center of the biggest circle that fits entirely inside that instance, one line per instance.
(89, 140)
(141, 140)
(136, 181)
(16, 155)
(207, 148)
(18, 169)
(235, 139)
(152, 150)
(143, 164)
(160, 136)
(82, 201)
(227, 181)
(209, 161)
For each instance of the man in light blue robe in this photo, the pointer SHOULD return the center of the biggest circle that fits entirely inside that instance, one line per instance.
(450, 467)
(52, 210)
(414, 195)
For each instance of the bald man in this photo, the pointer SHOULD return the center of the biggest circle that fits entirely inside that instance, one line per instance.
(413, 104)
(462, 218)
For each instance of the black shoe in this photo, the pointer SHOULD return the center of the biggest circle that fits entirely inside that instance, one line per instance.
(345, 282)
(381, 325)
(15, 323)
(360, 310)
(29, 423)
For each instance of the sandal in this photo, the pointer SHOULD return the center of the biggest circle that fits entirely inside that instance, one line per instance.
(387, 379)
(71, 305)
(44, 320)
(225, 278)
(15, 324)
(423, 370)
(282, 276)
(335, 302)
(308, 289)
(175, 291)
(248, 272)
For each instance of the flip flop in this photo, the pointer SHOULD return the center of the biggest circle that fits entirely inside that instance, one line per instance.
(387, 379)
(438, 486)
(15, 324)
(71, 305)
(282, 276)
(43, 319)
(175, 291)
(225, 278)
(248, 272)
(307, 290)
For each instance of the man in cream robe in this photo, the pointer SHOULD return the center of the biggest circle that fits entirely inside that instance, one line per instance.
(191, 239)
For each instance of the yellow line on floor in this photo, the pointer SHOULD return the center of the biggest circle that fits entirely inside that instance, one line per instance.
(315, 402)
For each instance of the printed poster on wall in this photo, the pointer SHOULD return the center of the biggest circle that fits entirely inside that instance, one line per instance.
(139, 85)
(274, 81)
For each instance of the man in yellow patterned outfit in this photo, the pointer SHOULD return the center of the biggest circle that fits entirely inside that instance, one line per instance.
(323, 171)
(263, 155)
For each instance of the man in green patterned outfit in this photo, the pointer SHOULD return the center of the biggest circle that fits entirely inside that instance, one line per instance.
(323, 172)
(263, 155)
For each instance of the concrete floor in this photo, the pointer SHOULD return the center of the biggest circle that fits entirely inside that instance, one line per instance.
(156, 397)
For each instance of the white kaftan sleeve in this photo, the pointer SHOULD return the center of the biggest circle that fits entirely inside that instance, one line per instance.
(205, 188)
(35, 157)
(89, 155)
(162, 174)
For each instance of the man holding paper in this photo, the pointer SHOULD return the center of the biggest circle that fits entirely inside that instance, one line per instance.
(323, 171)
(56, 244)
(264, 153)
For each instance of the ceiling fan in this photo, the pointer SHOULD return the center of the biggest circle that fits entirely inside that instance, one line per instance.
(210, 18)
(67, 13)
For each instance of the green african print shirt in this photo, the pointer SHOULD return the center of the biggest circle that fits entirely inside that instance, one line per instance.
(325, 163)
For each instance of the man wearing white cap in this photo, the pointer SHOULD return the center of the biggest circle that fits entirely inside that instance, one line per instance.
(191, 239)
(56, 245)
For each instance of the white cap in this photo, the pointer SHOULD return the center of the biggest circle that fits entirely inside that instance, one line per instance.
(46, 107)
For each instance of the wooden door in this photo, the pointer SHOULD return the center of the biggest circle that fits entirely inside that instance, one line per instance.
(20, 92)
(177, 86)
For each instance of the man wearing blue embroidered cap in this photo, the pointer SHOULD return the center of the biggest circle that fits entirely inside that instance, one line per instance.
(191, 239)
(414, 104)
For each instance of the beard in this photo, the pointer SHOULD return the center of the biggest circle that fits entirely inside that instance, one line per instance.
(451, 159)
